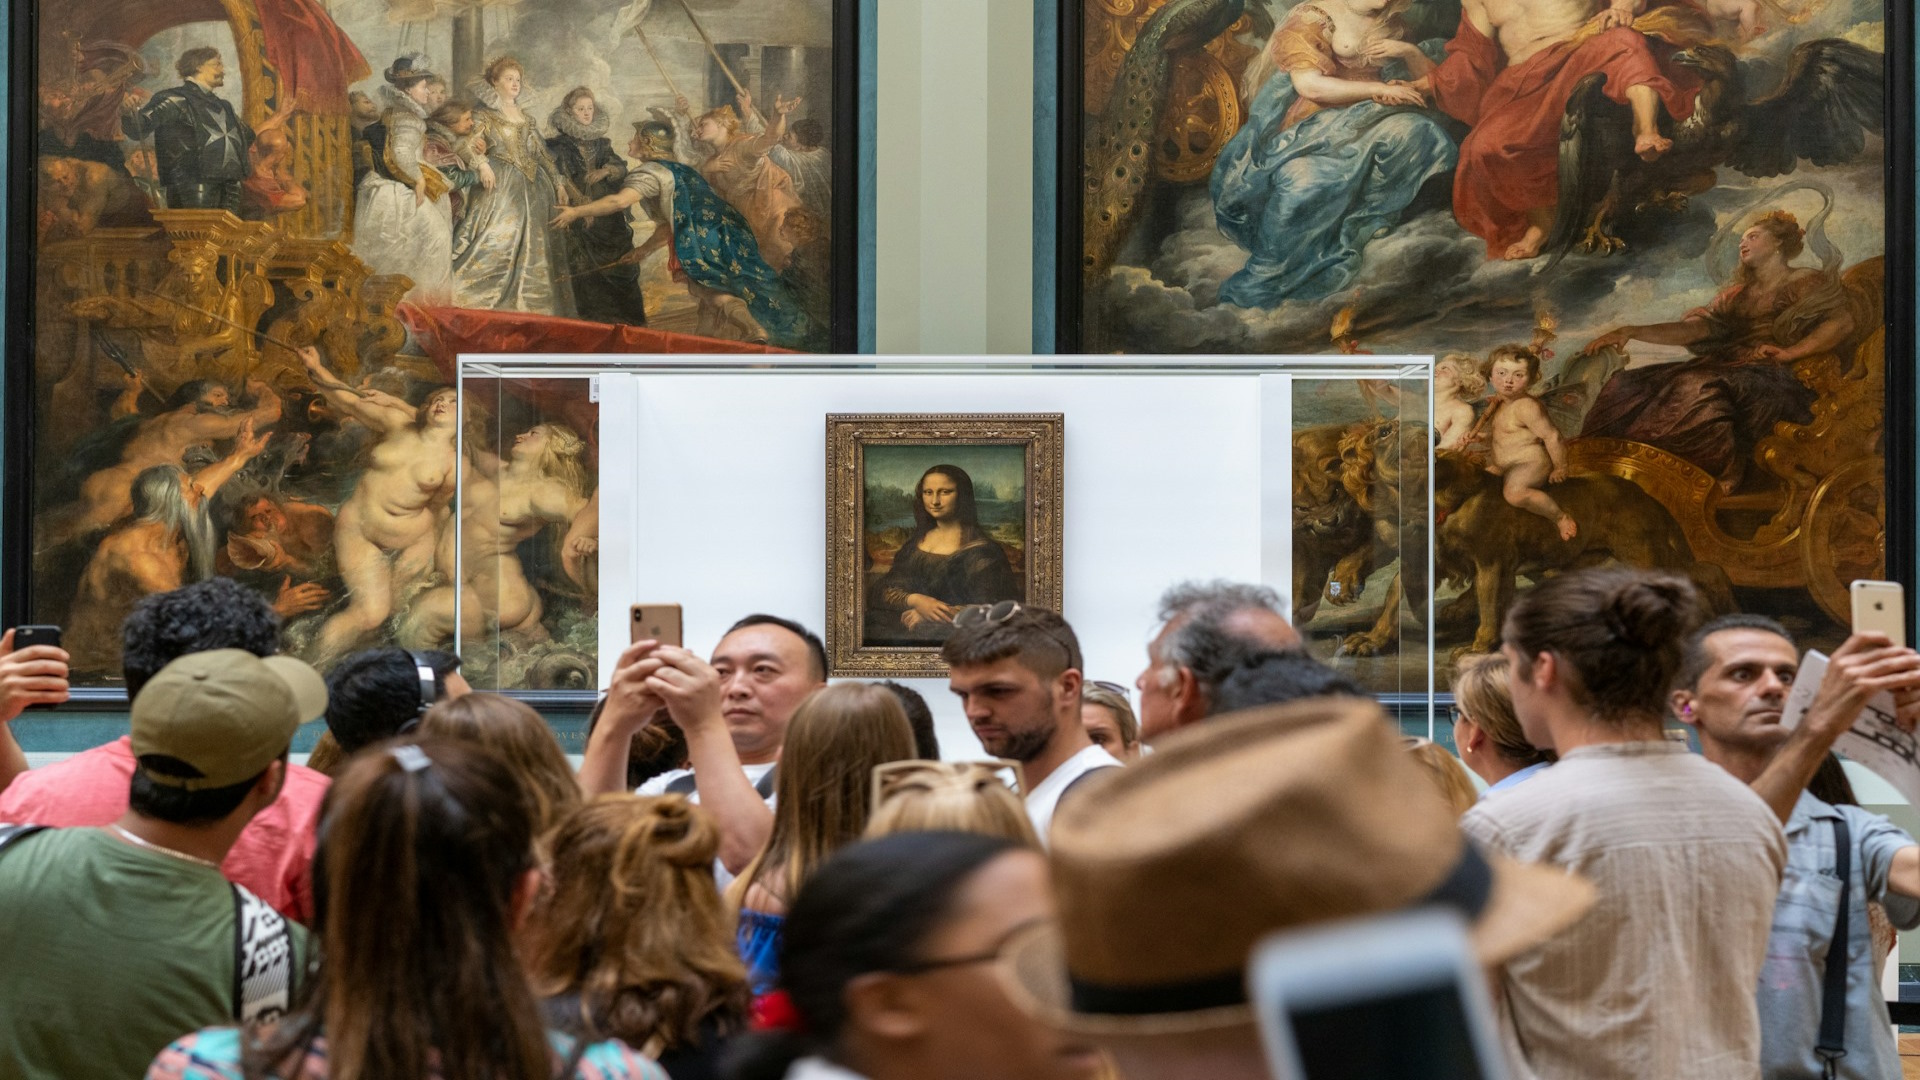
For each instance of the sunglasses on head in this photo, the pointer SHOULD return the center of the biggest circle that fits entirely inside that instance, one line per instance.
(986, 614)
(995, 614)
(1109, 687)
(890, 779)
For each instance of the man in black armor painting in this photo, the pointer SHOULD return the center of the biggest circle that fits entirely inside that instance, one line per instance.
(199, 142)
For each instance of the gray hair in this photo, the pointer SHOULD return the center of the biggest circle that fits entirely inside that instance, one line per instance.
(159, 495)
(1201, 642)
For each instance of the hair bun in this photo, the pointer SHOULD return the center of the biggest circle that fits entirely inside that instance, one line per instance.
(1652, 611)
(682, 834)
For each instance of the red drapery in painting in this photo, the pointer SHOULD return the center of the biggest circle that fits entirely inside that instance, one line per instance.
(312, 54)
(302, 42)
(446, 332)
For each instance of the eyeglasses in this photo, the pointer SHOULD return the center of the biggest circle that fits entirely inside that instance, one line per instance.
(1456, 714)
(921, 967)
(895, 776)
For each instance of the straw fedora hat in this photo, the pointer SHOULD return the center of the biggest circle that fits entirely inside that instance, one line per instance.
(1169, 872)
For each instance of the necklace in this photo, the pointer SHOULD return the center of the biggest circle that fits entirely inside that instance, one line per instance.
(151, 846)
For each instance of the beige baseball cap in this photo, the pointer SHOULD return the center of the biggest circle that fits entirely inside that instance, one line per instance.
(226, 713)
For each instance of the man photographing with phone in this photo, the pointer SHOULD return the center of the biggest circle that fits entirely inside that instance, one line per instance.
(1732, 688)
(734, 711)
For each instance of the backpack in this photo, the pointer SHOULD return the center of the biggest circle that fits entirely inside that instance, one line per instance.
(263, 975)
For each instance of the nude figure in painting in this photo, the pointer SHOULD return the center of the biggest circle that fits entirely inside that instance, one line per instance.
(1510, 71)
(1526, 448)
(202, 413)
(388, 530)
(543, 482)
(170, 543)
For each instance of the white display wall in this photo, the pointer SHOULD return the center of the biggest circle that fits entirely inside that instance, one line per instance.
(712, 484)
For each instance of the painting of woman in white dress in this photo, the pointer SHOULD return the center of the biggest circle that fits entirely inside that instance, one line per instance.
(504, 256)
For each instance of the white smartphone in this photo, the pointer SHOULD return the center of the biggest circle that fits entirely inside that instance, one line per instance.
(1880, 606)
(1394, 997)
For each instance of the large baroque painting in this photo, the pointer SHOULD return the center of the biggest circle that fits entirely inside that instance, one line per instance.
(1646, 241)
(260, 232)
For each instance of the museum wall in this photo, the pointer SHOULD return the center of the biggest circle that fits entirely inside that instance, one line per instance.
(953, 248)
(954, 200)
(728, 527)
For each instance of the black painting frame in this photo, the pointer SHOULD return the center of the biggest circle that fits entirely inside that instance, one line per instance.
(1059, 71)
(850, 306)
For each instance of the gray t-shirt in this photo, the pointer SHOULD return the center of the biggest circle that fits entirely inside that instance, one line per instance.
(1792, 981)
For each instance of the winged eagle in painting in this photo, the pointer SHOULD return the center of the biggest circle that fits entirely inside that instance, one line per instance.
(1821, 112)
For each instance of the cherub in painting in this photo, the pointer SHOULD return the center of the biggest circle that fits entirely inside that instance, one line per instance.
(1457, 383)
(1527, 450)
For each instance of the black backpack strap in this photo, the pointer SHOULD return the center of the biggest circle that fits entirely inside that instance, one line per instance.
(12, 833)
(1832, 1044)
(263, 975)
(690, 784)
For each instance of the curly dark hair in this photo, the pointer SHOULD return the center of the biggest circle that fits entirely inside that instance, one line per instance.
(218, 613)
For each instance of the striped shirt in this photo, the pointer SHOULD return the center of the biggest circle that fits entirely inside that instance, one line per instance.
(1657, 980)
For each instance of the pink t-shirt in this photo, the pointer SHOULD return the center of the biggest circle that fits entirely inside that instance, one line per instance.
(271, 859)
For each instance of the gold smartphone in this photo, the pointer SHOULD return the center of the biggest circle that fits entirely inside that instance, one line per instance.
(657, 622)
(1880, 606)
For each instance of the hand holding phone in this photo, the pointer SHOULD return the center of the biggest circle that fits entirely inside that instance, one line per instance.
(31, 678)
(1880, 607)
(656, 622)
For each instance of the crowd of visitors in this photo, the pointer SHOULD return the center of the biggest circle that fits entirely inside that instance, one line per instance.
(756, 875)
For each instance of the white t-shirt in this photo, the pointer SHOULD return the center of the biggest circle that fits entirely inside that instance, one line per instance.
(1044, 799)
(659, 784)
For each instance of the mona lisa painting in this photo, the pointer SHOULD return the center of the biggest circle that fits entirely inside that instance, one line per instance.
(928, 514)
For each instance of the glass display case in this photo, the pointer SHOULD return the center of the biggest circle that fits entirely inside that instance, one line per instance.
(821, 490)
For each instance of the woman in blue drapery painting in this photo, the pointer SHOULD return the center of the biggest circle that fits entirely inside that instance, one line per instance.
(1332, 153)
(947, 563)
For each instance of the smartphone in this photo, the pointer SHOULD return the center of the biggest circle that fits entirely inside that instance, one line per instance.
(1393, 997)
(1880, 606)
(28, 636)
(657, 622)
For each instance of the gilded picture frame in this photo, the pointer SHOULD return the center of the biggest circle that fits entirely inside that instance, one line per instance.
(930, 512)
(1174, 215)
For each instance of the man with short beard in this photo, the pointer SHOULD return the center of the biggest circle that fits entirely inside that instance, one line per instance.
(1732, 690)
(169, 543)
(1017, 672)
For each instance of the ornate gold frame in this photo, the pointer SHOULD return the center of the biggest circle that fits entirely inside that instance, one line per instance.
(1043, 435)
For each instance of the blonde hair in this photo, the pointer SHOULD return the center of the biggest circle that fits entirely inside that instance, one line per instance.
(635, 927)
(1449, 777)
(562, 457)
(1481, 689)
(517, 735)
(951, 796)
(1119, 706)
(724, 116)
(823, 794)
(1466, 372)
